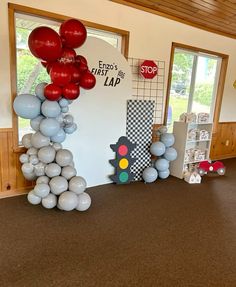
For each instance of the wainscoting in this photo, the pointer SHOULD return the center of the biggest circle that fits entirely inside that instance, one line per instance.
(224, 141)
(12, 181)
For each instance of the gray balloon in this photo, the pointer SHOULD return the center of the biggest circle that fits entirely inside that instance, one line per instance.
(64, 157)
(84, 202)
(68, 200)
(41, 189)
(161, 164)
(39, 168)
(63, 103)
(164, 174)
(32, 150)
(77, 184)
(33, 159)
(47, 154)
(58, 184)
(49, 127)
(52, 169)
(59, 137)
(33, 199)
(42, 179)
(170, 154)
(39, 91)
(69, 129)
(50, 109)
(157, 148)
(68, 172)
(34, 123)
(24, 158)
(26, 140)
(27, 106)
(38, 140)
(50, 201)
(149, 174)
(57, 146)
(68, 119)
(27, 167)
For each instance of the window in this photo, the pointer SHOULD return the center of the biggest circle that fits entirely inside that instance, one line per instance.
(193, 83)
(26, 69)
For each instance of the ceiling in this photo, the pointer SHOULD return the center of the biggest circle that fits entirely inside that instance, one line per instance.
(218, 16)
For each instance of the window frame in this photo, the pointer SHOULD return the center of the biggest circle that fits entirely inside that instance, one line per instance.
(15, 8)
(220, 85)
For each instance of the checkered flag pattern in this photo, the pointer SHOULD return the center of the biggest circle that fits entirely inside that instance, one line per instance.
(139, 131)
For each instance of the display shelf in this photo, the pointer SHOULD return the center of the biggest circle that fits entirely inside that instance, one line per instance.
(183, 144)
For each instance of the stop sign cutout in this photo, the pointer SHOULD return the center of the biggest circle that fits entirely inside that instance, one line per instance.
(148, 69)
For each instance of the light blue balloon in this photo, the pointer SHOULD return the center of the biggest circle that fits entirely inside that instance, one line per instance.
(150, 174)
(39, 91)
(49, 127)
(170, 154)
(157, 148)
(164, 174)
(168, 139)
(27, 106)
(63, 103)
(161, 164)
(59, 137)
(35, 123)
(50, 109)
(70, 128)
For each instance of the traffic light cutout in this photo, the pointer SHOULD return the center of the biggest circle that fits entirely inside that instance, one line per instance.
(123, 161)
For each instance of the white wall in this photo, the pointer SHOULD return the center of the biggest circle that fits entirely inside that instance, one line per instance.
(150, 37)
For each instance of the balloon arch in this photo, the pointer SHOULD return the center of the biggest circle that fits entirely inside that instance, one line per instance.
(46, 161)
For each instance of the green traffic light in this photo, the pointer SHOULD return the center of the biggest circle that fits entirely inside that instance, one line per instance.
(123, 176)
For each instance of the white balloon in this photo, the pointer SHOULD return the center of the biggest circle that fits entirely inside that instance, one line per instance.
(33, 159)
(58, 184)
(30, 176)
(77, 184)
(57, 146)
(39, 168)
(64, 157)
(68, 200)
(52, 169)
(68, 172)
(27, 168)
(84, 201)
(42, 179)
(32, 151)
(26, 140)
(50, 201)
(24, 158)
(38, 140)
(41, 189)
(32, 198)
(46, 154)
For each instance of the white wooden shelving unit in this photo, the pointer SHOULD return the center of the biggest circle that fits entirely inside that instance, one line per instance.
(182, 144)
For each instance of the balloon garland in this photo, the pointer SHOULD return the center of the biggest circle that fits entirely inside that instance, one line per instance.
(46, 161)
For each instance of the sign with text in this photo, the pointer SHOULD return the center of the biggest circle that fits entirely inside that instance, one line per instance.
(148, 69)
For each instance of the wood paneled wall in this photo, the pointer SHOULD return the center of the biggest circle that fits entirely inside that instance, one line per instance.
(224, 141)
(12, 181)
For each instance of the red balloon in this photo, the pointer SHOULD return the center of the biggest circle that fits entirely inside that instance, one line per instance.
(60, 74)
(49, 66)
(68, 55)
(44, 64)
(52, 92)
(87, 81)
(81, 59)
(44, 43)
(71, 91)
(75, 73)
(73, 33)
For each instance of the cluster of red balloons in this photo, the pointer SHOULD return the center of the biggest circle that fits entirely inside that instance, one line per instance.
(67, 70)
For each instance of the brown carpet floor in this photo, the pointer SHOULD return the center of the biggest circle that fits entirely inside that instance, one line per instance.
(168, 233)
